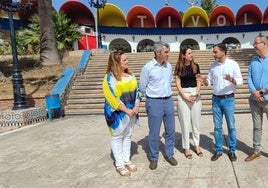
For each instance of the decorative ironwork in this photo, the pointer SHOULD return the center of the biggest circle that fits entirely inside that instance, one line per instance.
(167, 2)
(13, 6)
(192, 2)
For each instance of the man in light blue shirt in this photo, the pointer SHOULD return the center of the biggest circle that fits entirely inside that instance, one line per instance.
(155, 83)
(258, 87)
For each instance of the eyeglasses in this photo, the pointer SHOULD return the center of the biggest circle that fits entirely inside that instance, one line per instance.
(256, 43)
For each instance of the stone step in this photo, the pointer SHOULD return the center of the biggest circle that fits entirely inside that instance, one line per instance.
(86, 110)
(93, 102)
(86, 96)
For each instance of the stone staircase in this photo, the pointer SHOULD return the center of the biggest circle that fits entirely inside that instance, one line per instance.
(86, 96)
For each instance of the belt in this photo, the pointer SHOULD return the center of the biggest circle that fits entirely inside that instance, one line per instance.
(162, 98)
(224, 96)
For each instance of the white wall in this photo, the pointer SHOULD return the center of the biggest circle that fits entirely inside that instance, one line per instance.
(245, 39)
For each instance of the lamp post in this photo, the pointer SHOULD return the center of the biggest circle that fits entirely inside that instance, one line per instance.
(98, 4)
(18, 89)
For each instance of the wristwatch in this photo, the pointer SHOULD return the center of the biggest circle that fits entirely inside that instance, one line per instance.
(263, 91)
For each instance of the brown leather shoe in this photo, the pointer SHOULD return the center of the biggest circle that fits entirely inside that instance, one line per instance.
(232, 156)
(253, 156)
(153, 165)
(172, 161)
(216, 156)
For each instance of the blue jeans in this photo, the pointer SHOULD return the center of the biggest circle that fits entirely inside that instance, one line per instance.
(224, 106)
(159, 111)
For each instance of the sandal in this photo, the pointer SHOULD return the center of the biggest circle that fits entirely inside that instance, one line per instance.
(131, 167)
(123, 171)
(189, 156)
(199, 154)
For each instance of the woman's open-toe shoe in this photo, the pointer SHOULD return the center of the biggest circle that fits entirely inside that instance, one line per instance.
(199, 153)
(131, 167)
(187, 154)
(123, 171)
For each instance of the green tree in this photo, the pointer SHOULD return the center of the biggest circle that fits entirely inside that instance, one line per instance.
(208, 5)
(28, 40)
(65, 31)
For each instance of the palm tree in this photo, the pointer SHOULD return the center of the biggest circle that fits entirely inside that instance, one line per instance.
(66, 32)
(48, 49)
(28, 40)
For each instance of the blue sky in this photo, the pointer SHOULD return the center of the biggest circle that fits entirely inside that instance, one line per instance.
(180, 5)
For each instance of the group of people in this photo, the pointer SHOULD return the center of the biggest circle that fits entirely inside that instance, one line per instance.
(123, 96)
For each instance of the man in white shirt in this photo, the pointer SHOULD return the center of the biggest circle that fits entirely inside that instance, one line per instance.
(224, 74)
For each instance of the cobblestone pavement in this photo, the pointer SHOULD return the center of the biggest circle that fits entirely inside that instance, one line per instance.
(75, 152)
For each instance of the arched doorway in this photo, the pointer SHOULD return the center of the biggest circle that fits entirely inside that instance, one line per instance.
(145, 45)
(190, 43)
(232, 43)
(120, 44)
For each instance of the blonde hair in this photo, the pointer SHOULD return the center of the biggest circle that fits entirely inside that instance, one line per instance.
(114, 64)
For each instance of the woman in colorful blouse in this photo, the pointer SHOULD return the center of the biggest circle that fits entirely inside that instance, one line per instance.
(121, 109)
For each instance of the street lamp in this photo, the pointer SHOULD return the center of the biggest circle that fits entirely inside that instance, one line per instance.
(18, 89)
(98, 4)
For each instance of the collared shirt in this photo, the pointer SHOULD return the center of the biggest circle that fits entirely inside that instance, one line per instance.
(258, 75)
(217, 74)
(156, 79)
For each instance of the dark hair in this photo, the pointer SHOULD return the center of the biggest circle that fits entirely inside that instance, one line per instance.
(222, 47)
(180, 68)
